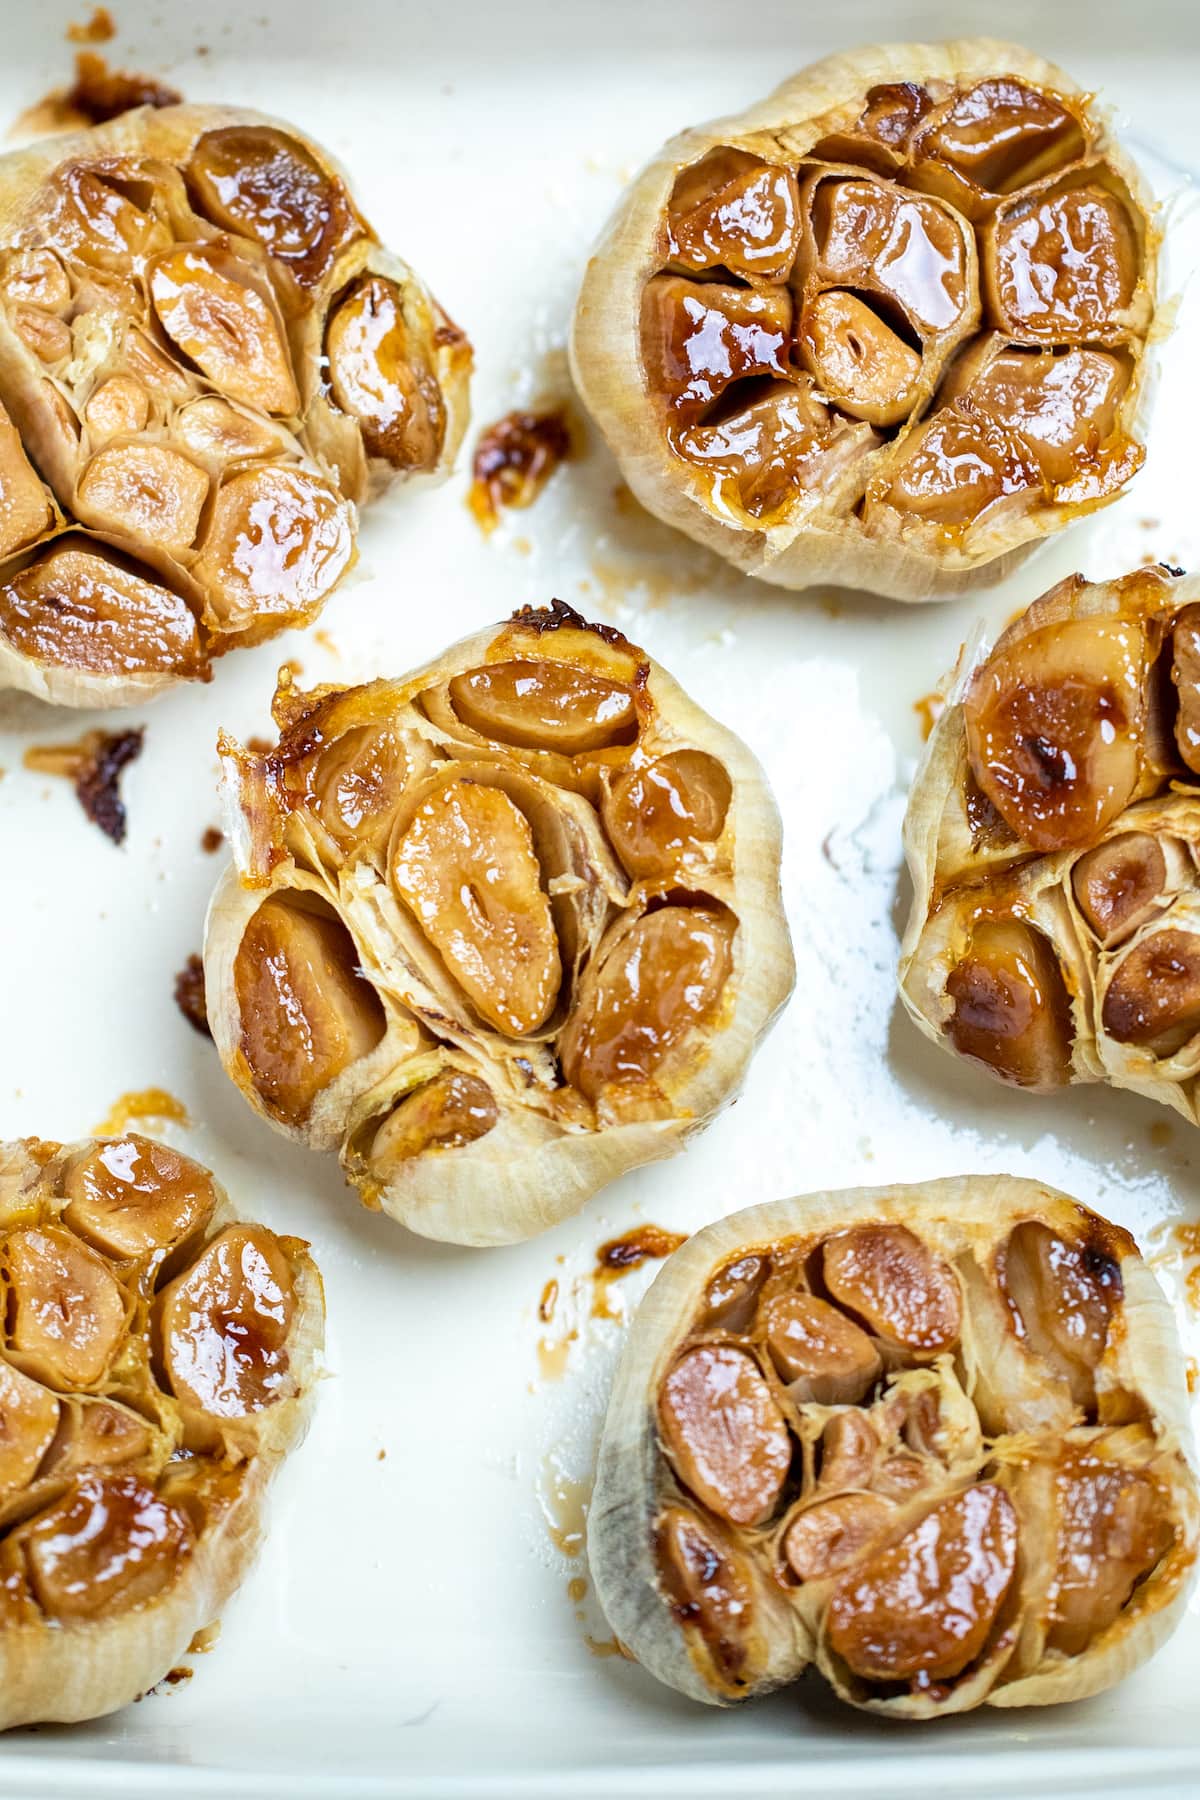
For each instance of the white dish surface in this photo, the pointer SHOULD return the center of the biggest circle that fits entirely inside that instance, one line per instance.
(408, 1629)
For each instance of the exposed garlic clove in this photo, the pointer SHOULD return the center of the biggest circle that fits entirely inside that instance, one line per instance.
(275, 542)
(661, 811)
(66, 1312)
(28, 1422)
(96, 1434)
(377, 376)
(110, 1543)
(925, 1563)
(305, 1012)
(914, 166)
(146, 492)
(225, 1323)
(25, 509)
(35, 277)
(831, 1534)
(451, 1110)
(1185, 675)
(212, 428)
(888, 1278)
(116, 407)
(923, 1607)
(1009, 1007)
(209, 306)
(129, 1196)
(78, 606)
(1153, 997)
(259, 181)
(724, 1433)
(47, 336)
(817, 1351)
(1120, 884)
(544, 706)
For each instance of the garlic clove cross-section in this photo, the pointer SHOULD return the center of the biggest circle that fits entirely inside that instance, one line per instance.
(887, 328)
(208, 364)
(158, 1360)
(930, 1441)
(1053, 835)
(499, 930)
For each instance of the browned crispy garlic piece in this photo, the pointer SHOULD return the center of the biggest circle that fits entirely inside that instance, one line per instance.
(886, 328)
(158, 1361)
(1053, 833)
(499, 930)
(931, 1440)
(208, 362)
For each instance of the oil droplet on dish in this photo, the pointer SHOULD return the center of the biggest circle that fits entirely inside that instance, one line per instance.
(564, 1504)
(554, 1355)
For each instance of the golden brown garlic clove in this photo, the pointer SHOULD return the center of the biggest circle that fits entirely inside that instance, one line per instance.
(818, 1352)
(829, 1535)
(699, 337)
(80, 606)
(724, 1433)
(94, 1433)
(451, 1110)
(377, 376)
(1110, 1532)
(65, 1310)
(211, 309)
(110, 1543)
(1062, 265)
(954, 468)
(28, 1422)
(130, 1196)
(1010, 1006)
(998, 136)
(709, 1586)
(1153, 998)
(909, 251)
(660, 811)
(306, 1013)
(1120, 884)
(1185, 676)
(262, 183)
(1063, 1298)
(275, 543)
(889, 1279)
(544, 706)
(224, 1325)
(865, 368)
(146, 492)
(733, 211)
(25, 509)
(117, 407)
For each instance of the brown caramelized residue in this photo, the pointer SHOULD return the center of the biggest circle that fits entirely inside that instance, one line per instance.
(548, 1301)
(929, 709)
(189, 995)
(211, 839)
(618, 1256)
(514, 459)
(564, 1503)
(94, 764)
(97, 93)
(99, 29)
(142, 1104)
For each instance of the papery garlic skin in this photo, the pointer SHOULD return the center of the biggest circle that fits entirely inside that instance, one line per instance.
(938, 1474)
(1053, 839)
(177, 394)
(497, 931)
(807, 421)
(132, 1500)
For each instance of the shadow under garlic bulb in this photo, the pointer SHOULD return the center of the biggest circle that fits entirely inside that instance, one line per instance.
(208, 362)
(930, 1440)
(1053, 837)
(158, 1362)
(886, 328)
(499, 931)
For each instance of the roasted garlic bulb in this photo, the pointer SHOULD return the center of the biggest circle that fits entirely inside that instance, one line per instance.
(886, 328)
(500, 930)
(931, 1439)
(158, 1363)
(207, 362)
(1053, 836)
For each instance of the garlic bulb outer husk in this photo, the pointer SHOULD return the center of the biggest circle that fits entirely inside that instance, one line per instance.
(969, 1223)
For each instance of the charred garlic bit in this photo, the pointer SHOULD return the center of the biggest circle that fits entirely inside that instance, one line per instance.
(497, 931)
(208, 362)
(157, 1363)
(886, 328)
(1053, 834)
(932, 1441)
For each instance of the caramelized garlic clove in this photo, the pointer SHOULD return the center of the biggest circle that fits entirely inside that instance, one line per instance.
(1120, 884)
(28, 1422)
(109, 1544)
(1185, 676)
(35, 277)
(864, 367)
(119, 406)
(779, 445)
(48, 337)
(699, 337)
(1153, 997)
(103, 214)
(909, 251)
(467, 869)
(356, 785)
(538, 705)
(1062, 265)
(444, 1114)
(207, 304)
(711, 1589)
(276, 541)
(660, 811)
(849, 1452)
(923, 1608)
(130, 1196)
(66, 1313)
(78, 606)
(1010, 1006)
(1055, 725)
(657, 983)
(724, 1434)
(735, 212)
(377, 375)
(997, 136)
(879, 138)
(213, 428)
(905, 1293)
(1063, 1298)
(149, 493)
(1062, 407)
(223, 1325)
(1109, 1534)
(955, 468)
(828, 1535)
(306, 1013)
(96, 1434)
(819, 1354)
(731, 1297)
(263, 184)
(25, 509)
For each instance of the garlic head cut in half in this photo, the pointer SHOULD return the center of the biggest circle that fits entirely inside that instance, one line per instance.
(931, 1441)
(887, 328)
(208, 362)
(1053, 838)
(158, 1362)
(500, 930)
